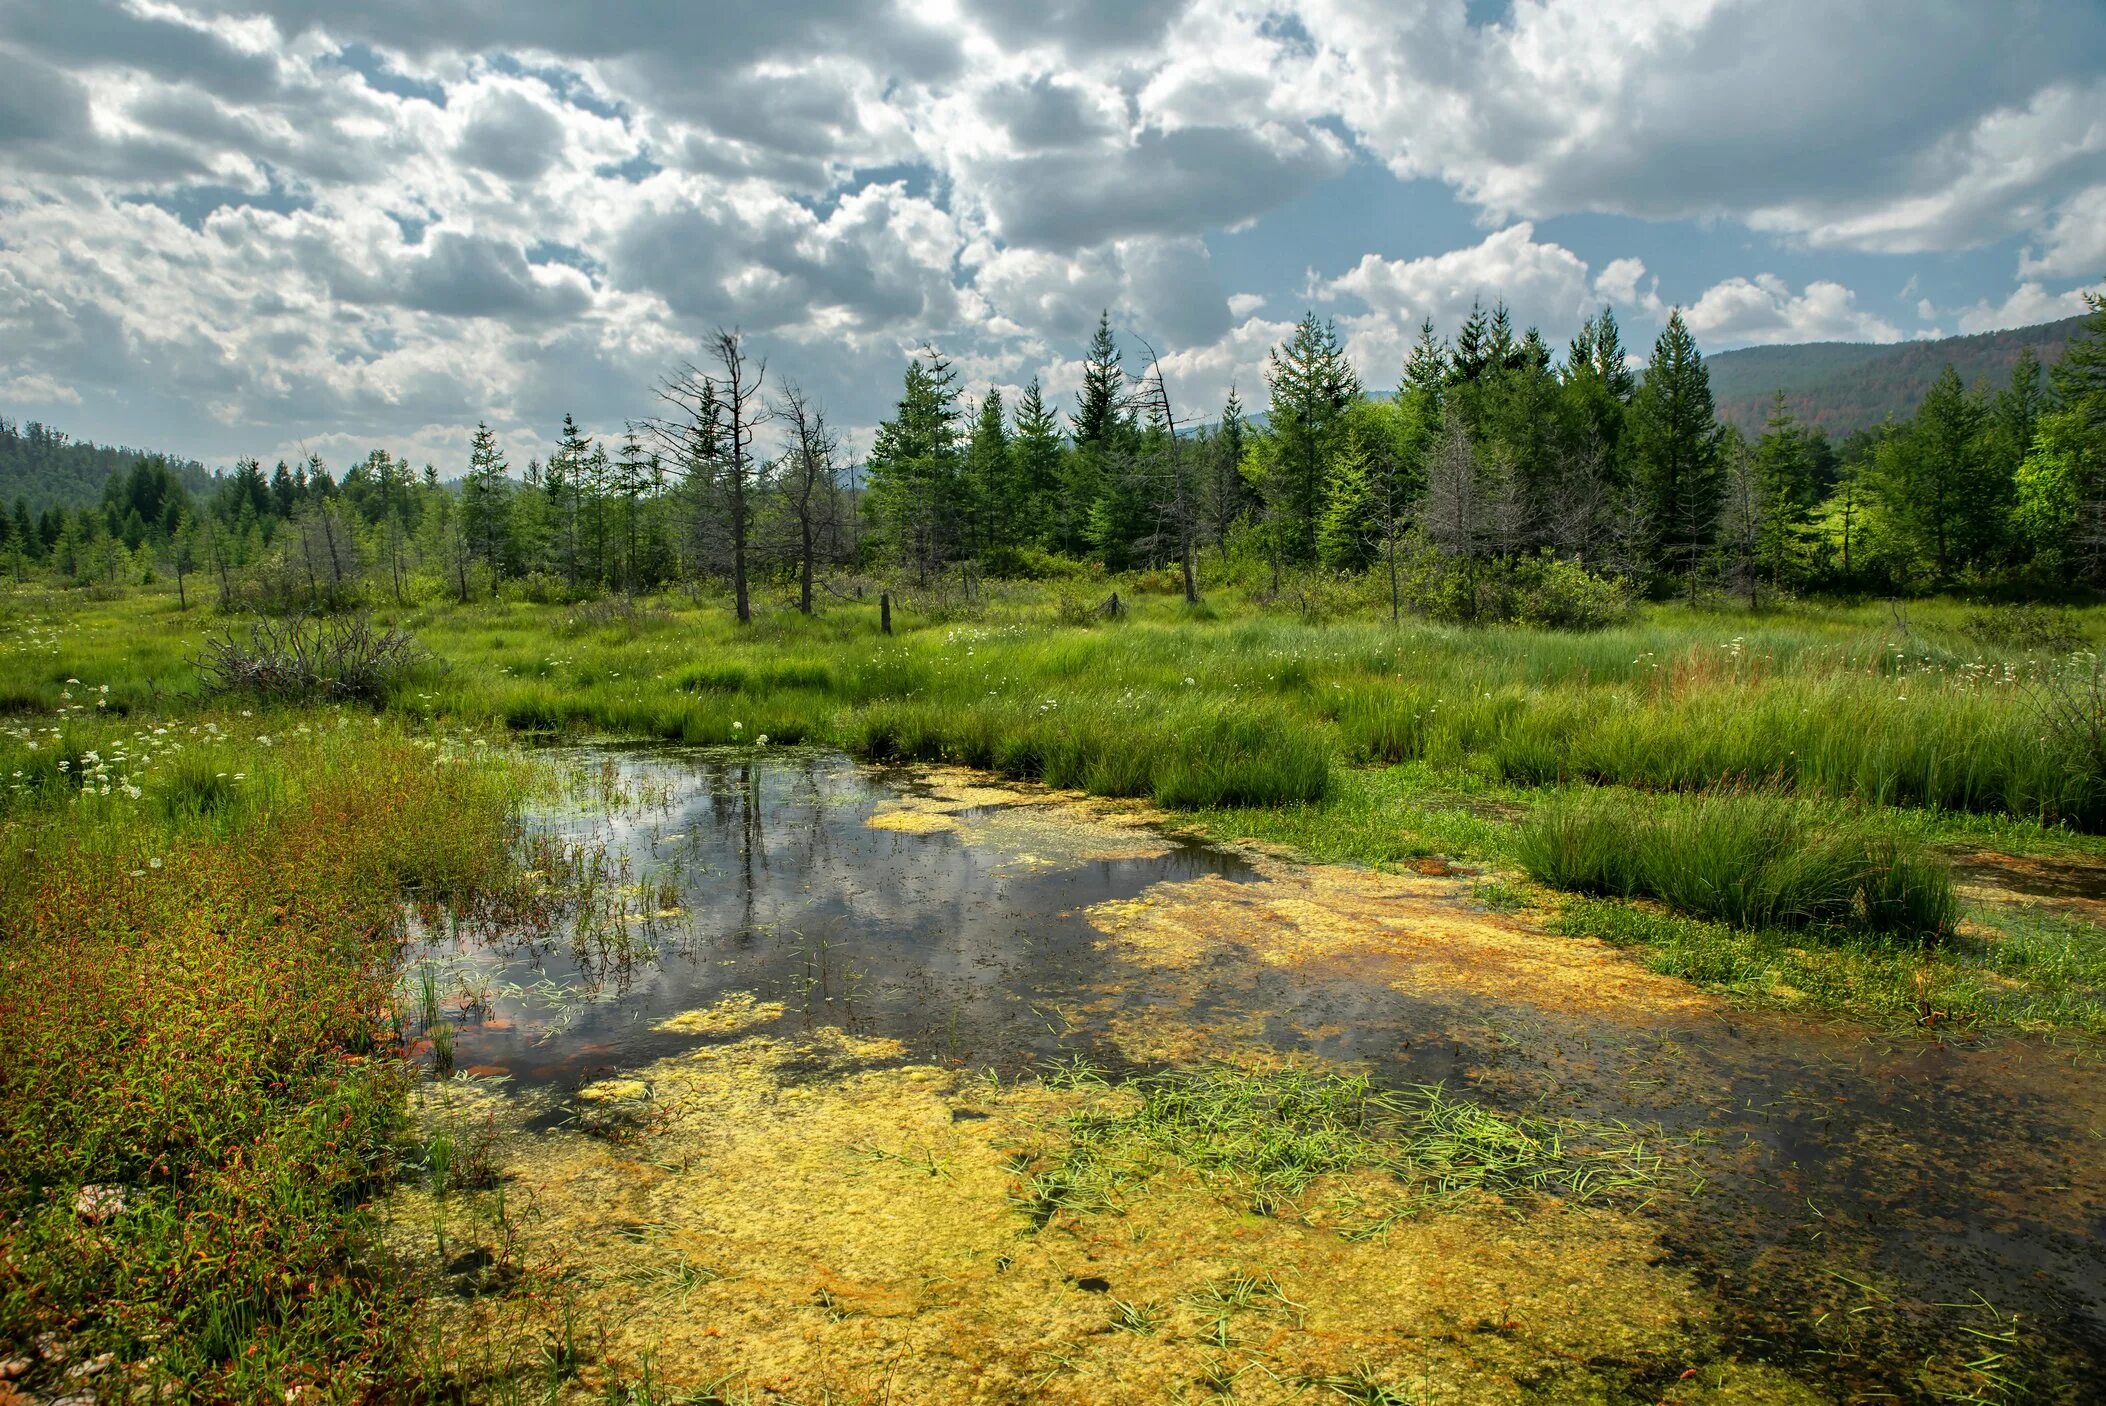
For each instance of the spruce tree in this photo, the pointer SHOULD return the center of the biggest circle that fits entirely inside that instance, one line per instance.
(989, 489)
(1228, 496)
(1036, 455)
(914, 467)
(1472, 356)
(1426, 370)
(1104, 433)
(1782, 471)
(1676, 433)
(483, 502)
(1311, 383)
(1351, 527)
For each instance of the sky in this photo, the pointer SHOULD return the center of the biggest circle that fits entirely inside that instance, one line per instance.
(230, 227)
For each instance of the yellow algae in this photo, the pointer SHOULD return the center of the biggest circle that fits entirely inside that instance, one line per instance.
(913, 821)
(736, 1012)
(1164, 1034)
(807, 1218)
(1413, 932)
(615, 1091)
(1031, 826)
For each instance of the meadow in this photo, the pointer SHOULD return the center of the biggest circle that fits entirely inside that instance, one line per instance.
(203, 898)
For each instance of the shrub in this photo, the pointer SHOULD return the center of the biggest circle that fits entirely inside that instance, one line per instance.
(2025, 627)
(1749, 860)
(1030, 564)
(308, 659)
(1563, 595)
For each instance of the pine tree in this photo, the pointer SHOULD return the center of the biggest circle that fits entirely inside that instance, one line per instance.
(1676, 433)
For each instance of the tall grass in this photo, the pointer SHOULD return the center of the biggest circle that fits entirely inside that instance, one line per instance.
(1823, 702)
(1752, 861)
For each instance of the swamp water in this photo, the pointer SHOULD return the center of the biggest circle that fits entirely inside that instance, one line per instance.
(794, 1113)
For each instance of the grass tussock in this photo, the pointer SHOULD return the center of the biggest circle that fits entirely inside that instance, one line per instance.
(195, 985)
(1751, 861)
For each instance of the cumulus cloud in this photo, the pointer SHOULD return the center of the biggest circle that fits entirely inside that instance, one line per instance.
(240, 225)
(2029, 303)
(2074, 243)
(1748, 311)
(1890, 125)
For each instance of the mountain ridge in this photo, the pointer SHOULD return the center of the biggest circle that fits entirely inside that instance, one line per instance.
(1847, 386)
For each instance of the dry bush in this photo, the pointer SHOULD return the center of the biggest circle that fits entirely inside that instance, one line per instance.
(308, 659)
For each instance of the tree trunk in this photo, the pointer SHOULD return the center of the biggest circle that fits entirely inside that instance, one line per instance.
(804, 572)
(1395, 612)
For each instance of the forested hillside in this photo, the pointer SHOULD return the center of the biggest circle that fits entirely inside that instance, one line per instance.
(44, 468)
(1844, 386)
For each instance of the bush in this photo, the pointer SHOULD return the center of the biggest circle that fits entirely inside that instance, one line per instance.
(1031, 564)
(1544, 591)
(1749, 860)
(2026, 627)
(1563, 595)
(308, 659)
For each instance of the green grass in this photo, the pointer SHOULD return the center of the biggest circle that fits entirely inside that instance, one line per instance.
(2037, 973)
(1269, 1139)
(1751, 861)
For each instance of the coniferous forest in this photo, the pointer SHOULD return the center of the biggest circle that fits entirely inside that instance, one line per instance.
(1501, 479)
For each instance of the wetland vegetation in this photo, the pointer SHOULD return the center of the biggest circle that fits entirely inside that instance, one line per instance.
(1209, 935)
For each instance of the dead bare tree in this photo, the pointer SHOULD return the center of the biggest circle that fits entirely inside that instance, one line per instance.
(808, 481)
(715, 416)
(1176, 505)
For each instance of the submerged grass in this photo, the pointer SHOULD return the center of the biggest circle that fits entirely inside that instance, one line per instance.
(1270, 1137)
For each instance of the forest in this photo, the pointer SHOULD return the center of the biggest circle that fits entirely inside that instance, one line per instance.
(1501, 481)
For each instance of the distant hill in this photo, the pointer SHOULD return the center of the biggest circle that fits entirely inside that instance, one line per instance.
(1845, 386)
(46, 467)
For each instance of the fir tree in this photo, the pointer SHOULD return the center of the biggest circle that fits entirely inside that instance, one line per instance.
(914, 467)
(988, 478)
(483, 502)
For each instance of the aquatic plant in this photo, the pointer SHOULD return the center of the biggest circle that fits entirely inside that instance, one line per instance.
(1270, 1137)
